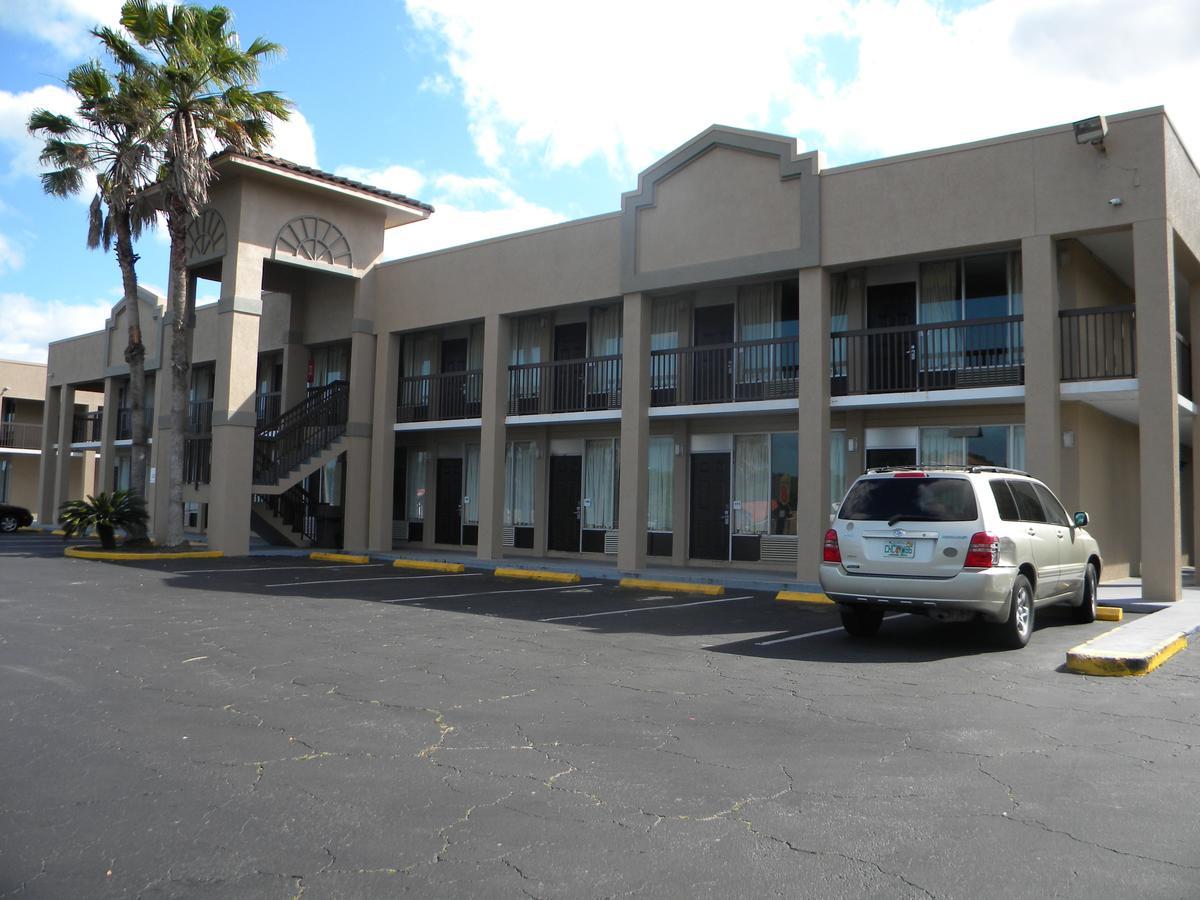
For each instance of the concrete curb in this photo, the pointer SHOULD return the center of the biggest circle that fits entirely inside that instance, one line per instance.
(1110, 613)
(352, 558)
(1141, 646)
(428, 566)
(675, 587)
(539, 575)
(802, 597)
(1086, 660)
(117, 555)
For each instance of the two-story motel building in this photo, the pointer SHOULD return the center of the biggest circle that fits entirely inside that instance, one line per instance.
(691, 380)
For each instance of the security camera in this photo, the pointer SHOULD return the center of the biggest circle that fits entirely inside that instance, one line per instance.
(1115, 201)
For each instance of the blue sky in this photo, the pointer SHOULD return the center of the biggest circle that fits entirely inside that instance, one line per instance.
(514, 115)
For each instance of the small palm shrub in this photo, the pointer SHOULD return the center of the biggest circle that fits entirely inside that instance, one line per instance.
(106, 513)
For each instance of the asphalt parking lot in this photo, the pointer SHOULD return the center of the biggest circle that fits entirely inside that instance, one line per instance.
(277, 727)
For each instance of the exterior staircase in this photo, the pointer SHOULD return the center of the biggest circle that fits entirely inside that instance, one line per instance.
(290, 447)
(285, 520)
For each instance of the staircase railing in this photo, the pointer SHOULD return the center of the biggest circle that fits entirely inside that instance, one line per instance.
(296, 508)
(301, 432)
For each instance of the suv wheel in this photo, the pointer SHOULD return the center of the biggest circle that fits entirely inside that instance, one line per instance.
(1019, 626)
(8, 523)
(1085, 612)
(861, 621)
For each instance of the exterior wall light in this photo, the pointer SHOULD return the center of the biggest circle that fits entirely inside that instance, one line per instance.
(1091, 131)
(1068, 439)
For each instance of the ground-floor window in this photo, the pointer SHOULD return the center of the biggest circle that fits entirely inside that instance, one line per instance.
(765, 471)
(661, 487)
(415, 492)
(5, 467)
(977, 445)
(838, 482)
(471, 485)
(601, 476)
(519, 472)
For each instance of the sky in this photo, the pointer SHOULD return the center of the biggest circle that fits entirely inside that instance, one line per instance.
(519, 114)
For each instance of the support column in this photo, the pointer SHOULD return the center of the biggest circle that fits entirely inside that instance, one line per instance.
(1194, 304)
(812, 492)
(62, 468)
(497, 335)
(159, 451)
(356, 504)
(108, 435)
(47, 512)
(1043, 431)
(383, 443)
(239, 312)
(1158, 409)
(635, 433)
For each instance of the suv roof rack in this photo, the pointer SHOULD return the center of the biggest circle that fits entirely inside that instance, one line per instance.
(879, 470)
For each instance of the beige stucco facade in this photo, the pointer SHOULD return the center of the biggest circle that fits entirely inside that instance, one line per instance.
(692, 380)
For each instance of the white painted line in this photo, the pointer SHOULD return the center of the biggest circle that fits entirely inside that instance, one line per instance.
(800, 637)
(380, 578)
(279, 568)
(557, 587)
(642, 609)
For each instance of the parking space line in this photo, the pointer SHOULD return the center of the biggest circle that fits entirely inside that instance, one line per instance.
(557, 587)
(379, 578)
(800, 637)
(279, 568)
(637, 609)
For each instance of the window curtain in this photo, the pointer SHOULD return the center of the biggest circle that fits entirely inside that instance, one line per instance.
(598, 485)
(938, 448)
(665, 334)
(471, 488)
(519, 462)
(418, 366)
(839, 320)
(661, 490)
(837, 466)
(474, 363)
(331, 364)
(756, 311)
(751, 484)
(526, 350)
(941, 302)
(604, 339)
(415, 504)
(1017, 456)
(3, 480)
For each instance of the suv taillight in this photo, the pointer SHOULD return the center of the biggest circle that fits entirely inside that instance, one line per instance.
(832, 552)
(984, 551)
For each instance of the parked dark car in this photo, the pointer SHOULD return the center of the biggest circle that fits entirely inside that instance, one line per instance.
(14, 517)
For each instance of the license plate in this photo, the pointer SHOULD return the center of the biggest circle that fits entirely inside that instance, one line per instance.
(899, 550)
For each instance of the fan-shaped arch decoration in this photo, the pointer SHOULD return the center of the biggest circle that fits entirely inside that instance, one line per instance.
(314, 238)
(206, 236)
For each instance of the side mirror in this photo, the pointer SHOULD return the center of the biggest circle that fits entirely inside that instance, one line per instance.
(1081, 520)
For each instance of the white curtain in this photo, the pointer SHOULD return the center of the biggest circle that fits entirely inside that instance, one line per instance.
(471, 489)
(941, 302)
(661, 491)
(418, 363)
(837, 466)
(415, 492)
(751, 484)
(474, 362)
(331, 364)
(839, 319)
(604, 339)
(1017, 457)
(526, 349)
(938, 448)
(756, 312)
(598, 484)
(665, 327)
(1017, 304)
(519, 463)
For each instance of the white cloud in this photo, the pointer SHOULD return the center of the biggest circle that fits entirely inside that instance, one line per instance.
(21, 147)
(292, 139)
(398, 179)
(64, 24)
(29, 324)
(626, 82)
(11, 256)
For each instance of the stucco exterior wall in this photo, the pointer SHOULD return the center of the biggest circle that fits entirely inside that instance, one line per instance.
(1084, 281)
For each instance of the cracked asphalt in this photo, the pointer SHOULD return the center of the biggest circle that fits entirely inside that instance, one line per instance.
(280, 728)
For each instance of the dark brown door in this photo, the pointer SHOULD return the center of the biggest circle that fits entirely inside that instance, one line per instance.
(570, 343)
(566, 481)
(712, 360)
(892, 354)
(710, 506)
(448, 524)
(452, 394)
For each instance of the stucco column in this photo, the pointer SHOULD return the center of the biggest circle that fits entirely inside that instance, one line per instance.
(497, 332)
(62, 467)
(1043, 431)
(108, 434)
(383, 442)
(239, 312)
(635, 433)
(49, 461)
(1158, 423)
(159, 500)
(1194, 303)
(356, 504)
(812, 491)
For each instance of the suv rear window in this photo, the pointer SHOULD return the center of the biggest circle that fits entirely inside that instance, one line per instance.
(910, 499)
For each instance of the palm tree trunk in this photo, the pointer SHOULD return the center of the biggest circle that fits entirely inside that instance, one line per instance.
(181, 363)
(135, 356)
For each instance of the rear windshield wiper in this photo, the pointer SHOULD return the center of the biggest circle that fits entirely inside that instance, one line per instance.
(894, 519)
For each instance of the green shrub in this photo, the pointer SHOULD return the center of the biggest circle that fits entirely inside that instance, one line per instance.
(106, 513)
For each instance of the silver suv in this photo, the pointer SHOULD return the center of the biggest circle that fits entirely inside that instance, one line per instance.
(956, 543)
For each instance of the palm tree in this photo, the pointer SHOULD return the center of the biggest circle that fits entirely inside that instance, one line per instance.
(106, 513)
(114, 136)
(203, 79)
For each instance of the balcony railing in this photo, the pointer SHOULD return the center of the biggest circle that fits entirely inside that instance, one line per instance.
(267, 406)
(1098, 343)
(569, 385)
(88, 427)
(724, 373)
(451, 395)
(20, 436)
(197, 443)
(125, 422)
(930, 357)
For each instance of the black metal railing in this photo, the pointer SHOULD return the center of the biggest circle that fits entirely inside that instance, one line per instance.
(125, 422)
(301, 432)
(20, 436)
(1098, 343)
(267, 406)
(765, 369)
(88, 427)
(197, 442)
(450, 395)
(296, 508)
(931, 357)
(569, 385)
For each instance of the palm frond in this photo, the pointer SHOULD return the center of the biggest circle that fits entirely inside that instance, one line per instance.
(62, 182)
